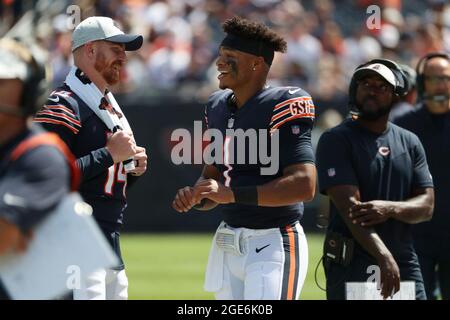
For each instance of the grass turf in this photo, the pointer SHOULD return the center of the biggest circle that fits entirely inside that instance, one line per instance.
(172, 266)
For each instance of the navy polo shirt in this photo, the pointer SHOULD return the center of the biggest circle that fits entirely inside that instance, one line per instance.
(388, 166)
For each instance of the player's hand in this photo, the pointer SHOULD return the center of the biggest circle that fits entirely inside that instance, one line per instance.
(215, 191)
(367, 214)
(11, 238)
(185, 199)
(389, 276)
(140, 160)
(121, 146)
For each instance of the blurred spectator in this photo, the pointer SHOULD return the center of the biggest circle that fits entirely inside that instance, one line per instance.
(304, 52)
(327, 39)
(168, 63)
(61, 57)
(332, 40)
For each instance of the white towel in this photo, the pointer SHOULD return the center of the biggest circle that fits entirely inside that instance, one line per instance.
(214, 269)
(104, 106)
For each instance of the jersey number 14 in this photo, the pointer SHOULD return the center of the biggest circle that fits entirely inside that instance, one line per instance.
(116, 174)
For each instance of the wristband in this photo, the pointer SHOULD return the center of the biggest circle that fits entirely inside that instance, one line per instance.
(246, 195)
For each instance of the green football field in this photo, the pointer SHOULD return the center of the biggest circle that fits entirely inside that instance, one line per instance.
(171, 266)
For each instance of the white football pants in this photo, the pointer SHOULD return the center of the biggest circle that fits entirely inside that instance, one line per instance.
(104, 284)
(273, 265)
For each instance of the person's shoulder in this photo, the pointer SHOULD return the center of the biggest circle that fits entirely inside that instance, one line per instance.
(44, 156)
(347, 126)
(411, 116)
(398, 129)
(345, 131)
(40, 156)
(405, 134)
(218, 99)
(64, 96)
(281, 94)
(288, 104)
(61, 108)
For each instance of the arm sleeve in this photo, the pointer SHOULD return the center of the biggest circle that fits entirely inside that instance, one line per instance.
(334, 163)
(293, 117)
(421, 175)
(61, 118)
(95, 163)
(33, 186)
(295, 143)
(207, 126)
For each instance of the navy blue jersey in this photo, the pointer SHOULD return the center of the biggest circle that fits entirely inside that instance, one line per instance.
(32, 185)
(434, 133)
(289, 110)
(388, 166)
(103, 183)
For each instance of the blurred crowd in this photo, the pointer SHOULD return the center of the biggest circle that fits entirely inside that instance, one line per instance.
(326, 39)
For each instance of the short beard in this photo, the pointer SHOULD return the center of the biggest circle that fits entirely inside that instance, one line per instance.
(372, 115)
(108, 73)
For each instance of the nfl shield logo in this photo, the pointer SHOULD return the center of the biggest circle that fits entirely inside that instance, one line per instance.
(331, 172)
(230, 123)
(295, 129)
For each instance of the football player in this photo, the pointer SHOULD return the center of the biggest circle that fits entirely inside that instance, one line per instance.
(259, 250)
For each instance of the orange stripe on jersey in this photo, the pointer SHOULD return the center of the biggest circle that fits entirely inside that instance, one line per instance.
(59, 115)
(298, 116)
(59, 107)
(282, 104)
(53, 121)
(283, 113)
(291, 281)
(54, 140)
(279, 115)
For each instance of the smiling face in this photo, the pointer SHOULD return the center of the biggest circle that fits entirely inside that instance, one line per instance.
(109, 60)
(374, 97)
(437, 83)
(235, 68)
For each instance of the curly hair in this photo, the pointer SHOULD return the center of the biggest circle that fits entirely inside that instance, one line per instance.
(255, 31)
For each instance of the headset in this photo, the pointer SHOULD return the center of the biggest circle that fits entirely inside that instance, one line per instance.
(401, 87)
(410, 76)
(420, 78)
(36, 85)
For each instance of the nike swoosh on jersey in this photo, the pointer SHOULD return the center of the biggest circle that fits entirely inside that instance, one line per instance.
(294, 91)
(54, 100)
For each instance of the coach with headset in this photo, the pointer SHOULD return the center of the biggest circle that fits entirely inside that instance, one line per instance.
(36, 169)
(376, 176)
(430, 121)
